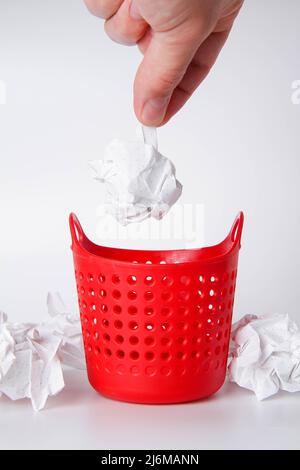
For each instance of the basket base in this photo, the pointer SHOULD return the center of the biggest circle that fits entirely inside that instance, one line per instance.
(174, 401)
(158, 396)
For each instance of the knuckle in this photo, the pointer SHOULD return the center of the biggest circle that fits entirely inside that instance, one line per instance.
(124, 32)
(168, 79)
(100, 8)
(165, 81)
(119, 35)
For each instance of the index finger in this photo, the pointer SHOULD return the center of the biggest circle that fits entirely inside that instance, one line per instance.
(103, 8)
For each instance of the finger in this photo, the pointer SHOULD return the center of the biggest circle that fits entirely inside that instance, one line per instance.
(198, 69)
(144, 42)
(165, 62)
(229, 14)
(123, 28)
(103, 8)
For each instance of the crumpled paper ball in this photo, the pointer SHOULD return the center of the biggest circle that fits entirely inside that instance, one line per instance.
(139, 181)
(7, 344)
(265, 354)
(31, 355)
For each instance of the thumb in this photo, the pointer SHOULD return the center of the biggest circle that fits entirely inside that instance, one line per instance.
(166, 60)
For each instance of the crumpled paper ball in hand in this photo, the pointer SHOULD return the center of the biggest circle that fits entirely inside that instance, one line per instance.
(31, 355)
(139, 181)
(265, 354)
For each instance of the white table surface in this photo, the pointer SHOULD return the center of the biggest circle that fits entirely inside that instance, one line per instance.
(79, 418)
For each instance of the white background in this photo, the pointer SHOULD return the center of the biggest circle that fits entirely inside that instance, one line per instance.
(235, 146)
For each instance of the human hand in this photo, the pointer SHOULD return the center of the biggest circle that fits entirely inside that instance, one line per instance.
(180, 41)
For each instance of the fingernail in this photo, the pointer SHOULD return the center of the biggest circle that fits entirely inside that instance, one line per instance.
(134, 11)
(154, 110)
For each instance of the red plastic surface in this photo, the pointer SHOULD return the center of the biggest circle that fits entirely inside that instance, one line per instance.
(156, 324)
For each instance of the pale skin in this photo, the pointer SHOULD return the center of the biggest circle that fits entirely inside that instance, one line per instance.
(180, 41)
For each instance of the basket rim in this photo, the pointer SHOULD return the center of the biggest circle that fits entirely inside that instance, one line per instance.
(82, 245)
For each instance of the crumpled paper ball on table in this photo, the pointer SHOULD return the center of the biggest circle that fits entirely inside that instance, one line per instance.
(31, 355)
(265, 354)
(139, 181)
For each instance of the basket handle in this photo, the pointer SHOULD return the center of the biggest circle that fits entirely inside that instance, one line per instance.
(77, 233)
(235, 233)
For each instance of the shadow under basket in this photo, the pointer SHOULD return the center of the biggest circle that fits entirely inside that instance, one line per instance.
(156, 324)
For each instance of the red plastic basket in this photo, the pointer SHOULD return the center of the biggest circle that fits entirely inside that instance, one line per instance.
(156, 324)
